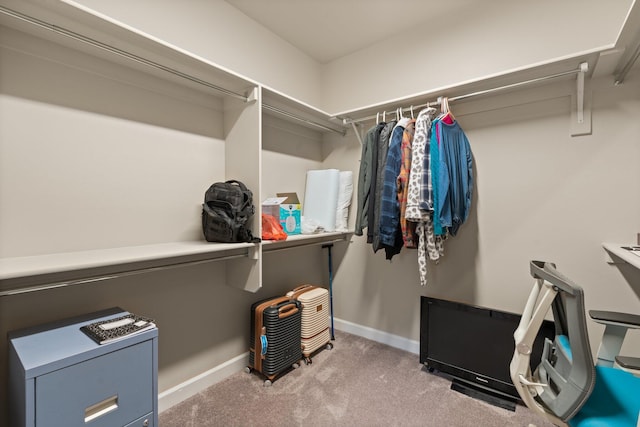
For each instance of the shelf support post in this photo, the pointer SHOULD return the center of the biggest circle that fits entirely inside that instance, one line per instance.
(328, 246)
(580, 91)
(581, 104)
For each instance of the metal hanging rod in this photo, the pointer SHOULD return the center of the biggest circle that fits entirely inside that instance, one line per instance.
(620, 76)
(95, 279)
(117, 51)
(581, 69)
(282, 245)
(302, 119)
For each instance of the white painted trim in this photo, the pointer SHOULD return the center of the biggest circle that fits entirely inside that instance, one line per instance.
(195, 385)
(392, 340)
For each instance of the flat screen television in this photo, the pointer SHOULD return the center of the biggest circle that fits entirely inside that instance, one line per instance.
(474, 345)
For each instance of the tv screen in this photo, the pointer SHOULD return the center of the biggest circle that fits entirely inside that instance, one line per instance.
(474, 344)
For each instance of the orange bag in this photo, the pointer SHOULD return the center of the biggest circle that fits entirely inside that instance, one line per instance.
(271, 228)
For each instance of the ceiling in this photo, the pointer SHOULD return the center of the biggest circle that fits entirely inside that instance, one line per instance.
(329, 29)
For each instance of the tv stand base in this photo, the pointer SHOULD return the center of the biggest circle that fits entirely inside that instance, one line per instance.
(481, 393)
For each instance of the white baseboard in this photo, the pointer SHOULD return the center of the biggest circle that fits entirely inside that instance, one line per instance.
(392, 340)
(201, 382)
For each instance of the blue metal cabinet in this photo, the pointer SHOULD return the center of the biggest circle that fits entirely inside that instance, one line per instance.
(60, 376)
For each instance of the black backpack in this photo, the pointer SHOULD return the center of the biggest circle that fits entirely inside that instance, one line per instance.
(226, 212)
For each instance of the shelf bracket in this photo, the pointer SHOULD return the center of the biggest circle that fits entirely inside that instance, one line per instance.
(252, 95)
(581, 104)
(580, 91)
(357, 132)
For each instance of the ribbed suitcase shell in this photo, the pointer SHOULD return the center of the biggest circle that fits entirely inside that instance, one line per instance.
(315, 317)
(282, 330)
(309, 345)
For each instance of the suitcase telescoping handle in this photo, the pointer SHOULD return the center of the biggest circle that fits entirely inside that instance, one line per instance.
(302, 287)
(286, 311)
(296, 292)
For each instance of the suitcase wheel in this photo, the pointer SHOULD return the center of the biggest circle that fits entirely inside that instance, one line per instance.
(295, 365)
(267, 383)
(247, 369)
(329, 346)
(308, 361)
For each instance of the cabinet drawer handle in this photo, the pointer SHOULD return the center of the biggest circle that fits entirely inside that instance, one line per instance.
(101, 408)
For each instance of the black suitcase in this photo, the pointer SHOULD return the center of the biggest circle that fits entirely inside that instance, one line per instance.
(275, 336)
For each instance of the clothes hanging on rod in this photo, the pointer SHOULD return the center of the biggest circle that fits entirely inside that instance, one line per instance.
(407, 228)
(390, 232)
(420, 169)
(365, 174)
(376, 188)
(453, 186)
(420, 195)
(415, 184)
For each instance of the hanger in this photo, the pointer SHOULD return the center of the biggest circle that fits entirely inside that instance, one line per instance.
(378, 117)
(384, 116)
(449, 110)
(446, 111)
(443, 104)
(430, 106)
(411, 109)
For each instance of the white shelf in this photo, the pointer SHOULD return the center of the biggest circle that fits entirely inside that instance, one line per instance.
(29, 273)
(508, 80)
(624, 254)
(281, 105)
(75, 26)
(298, 240)
(39, 272)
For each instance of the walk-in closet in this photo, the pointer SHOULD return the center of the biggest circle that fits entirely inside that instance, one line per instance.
(115, 118)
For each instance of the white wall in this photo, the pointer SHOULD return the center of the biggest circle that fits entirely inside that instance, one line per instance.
(479, 40)
(220, 33)
(288, 152)
(95, 157)
(540, 194)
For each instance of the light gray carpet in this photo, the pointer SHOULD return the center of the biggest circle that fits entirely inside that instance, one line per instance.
(357, 383)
